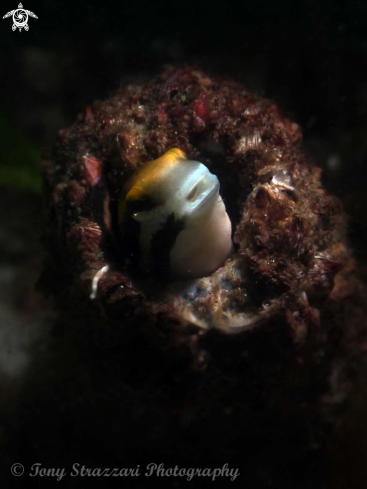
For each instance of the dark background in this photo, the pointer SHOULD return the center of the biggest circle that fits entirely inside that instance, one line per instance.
(309, 57)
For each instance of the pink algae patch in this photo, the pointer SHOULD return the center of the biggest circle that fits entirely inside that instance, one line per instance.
(92, 170)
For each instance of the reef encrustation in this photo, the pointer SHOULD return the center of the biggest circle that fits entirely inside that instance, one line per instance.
(287, 228)
(286, 289)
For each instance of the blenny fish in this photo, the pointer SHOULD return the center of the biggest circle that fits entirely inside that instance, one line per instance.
(182, 221)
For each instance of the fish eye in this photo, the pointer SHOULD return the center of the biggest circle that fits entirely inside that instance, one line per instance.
(139, 210)
(143, 216)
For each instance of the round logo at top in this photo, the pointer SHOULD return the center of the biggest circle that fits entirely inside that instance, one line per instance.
(20, 18)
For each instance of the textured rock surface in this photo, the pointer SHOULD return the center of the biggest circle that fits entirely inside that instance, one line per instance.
(265, 398)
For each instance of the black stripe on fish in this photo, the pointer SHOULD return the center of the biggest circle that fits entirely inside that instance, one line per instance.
(163, 241)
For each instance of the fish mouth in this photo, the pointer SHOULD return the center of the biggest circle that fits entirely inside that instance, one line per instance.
(208, 199)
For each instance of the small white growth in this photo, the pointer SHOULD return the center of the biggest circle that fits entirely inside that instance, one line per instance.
(248, 141)
(304, 297)
(97, 277)
(283, 179)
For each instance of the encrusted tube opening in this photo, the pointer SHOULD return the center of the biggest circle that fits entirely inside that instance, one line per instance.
(197, 197)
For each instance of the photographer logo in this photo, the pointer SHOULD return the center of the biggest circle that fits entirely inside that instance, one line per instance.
(20, 18)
